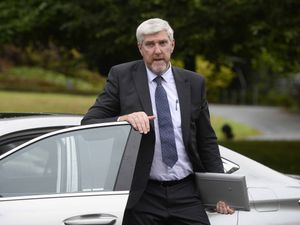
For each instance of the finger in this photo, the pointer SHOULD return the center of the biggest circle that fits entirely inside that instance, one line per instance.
(142, 122)
(148, 119)
(230, 210)
(151, 117)
(218, 208)
(135, 122)
(221, 208)
(139, 121)
(131, 120)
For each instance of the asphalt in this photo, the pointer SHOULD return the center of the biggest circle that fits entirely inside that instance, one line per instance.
(273, 122)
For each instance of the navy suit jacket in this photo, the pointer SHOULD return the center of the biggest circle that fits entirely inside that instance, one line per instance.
(127, 91)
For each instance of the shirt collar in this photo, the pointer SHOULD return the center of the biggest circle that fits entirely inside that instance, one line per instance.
(167, 76)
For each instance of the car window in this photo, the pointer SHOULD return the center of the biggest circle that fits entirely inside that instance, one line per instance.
(12, 140)
(78, 161)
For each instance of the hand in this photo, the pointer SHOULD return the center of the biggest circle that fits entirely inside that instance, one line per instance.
(223, 208)
(139, 120)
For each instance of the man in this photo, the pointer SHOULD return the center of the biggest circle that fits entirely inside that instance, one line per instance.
(168, 106)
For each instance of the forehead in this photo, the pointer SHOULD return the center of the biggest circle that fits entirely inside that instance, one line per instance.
(161, 35)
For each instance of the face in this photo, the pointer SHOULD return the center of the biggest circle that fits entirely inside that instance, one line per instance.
(156, 50)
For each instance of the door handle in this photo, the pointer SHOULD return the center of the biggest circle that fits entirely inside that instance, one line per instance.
(91, 219)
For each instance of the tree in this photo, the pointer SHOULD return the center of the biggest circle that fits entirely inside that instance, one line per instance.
(259, 39)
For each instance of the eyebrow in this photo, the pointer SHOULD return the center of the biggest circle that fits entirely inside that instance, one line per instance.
(160, 41)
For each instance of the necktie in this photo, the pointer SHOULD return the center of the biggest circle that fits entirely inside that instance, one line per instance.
(166, 131)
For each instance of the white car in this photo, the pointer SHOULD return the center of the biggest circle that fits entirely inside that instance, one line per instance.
(82, 175)
(17, 128)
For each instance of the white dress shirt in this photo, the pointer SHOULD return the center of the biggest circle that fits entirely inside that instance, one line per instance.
(183, 167)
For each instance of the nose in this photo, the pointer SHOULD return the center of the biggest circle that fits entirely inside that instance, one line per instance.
(157, 49)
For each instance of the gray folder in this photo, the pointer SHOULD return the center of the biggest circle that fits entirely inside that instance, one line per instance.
(230, 188)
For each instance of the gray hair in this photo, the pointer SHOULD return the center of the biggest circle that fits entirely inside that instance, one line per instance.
(153, 26)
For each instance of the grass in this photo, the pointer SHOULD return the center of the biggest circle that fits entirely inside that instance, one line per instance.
(79, 104)
(241, 131)
(283, 156)
(44, 102)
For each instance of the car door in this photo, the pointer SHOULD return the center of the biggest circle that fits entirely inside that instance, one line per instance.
(79, 175)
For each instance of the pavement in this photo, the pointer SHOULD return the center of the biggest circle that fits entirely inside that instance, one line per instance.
(275, 123)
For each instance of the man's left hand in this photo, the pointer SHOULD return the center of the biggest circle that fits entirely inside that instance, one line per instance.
(223, 208)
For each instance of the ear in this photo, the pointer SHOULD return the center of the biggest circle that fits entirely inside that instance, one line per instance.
(173, 45)
(140, 48)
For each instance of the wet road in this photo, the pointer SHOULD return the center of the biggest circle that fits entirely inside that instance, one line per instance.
(274, 122)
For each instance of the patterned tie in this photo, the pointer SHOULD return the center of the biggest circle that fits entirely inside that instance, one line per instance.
(166, 131)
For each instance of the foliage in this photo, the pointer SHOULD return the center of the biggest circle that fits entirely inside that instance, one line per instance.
(59, 59)
(217, 76)
(216, 29)
(39, 79)
(259, 40)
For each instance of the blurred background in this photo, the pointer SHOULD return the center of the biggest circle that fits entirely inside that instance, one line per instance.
(55, 57)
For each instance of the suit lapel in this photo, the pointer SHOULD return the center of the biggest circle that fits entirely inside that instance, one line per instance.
(142, 87)
(183, 89)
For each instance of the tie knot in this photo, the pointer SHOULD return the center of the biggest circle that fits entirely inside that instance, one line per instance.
(158, 80)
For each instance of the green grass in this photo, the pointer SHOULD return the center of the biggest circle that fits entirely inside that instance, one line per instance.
(66, 103)
(280, 155)
(44, 102)
(240, 131)
(283, 156)
(37, 79)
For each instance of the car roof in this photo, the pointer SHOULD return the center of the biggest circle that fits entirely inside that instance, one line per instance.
(4, 115)
(14, 122)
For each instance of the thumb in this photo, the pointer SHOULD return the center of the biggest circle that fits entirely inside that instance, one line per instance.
(151, 117)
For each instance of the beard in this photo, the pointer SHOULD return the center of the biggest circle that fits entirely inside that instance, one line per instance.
(159, 67)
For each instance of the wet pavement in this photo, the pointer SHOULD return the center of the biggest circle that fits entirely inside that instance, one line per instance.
(275, 123)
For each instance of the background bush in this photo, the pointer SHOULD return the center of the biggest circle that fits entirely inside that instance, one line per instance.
(283, 156)
(37, 79)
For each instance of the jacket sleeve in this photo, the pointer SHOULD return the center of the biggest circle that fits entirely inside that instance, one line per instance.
(107, 105)
(207, 145)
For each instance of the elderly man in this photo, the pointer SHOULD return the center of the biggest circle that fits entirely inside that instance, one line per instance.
(168, 106)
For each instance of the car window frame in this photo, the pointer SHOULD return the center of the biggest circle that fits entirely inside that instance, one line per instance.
(20, 137)
(127, 164)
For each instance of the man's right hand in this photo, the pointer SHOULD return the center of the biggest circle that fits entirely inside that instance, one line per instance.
(139, 120)
(224, 208)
